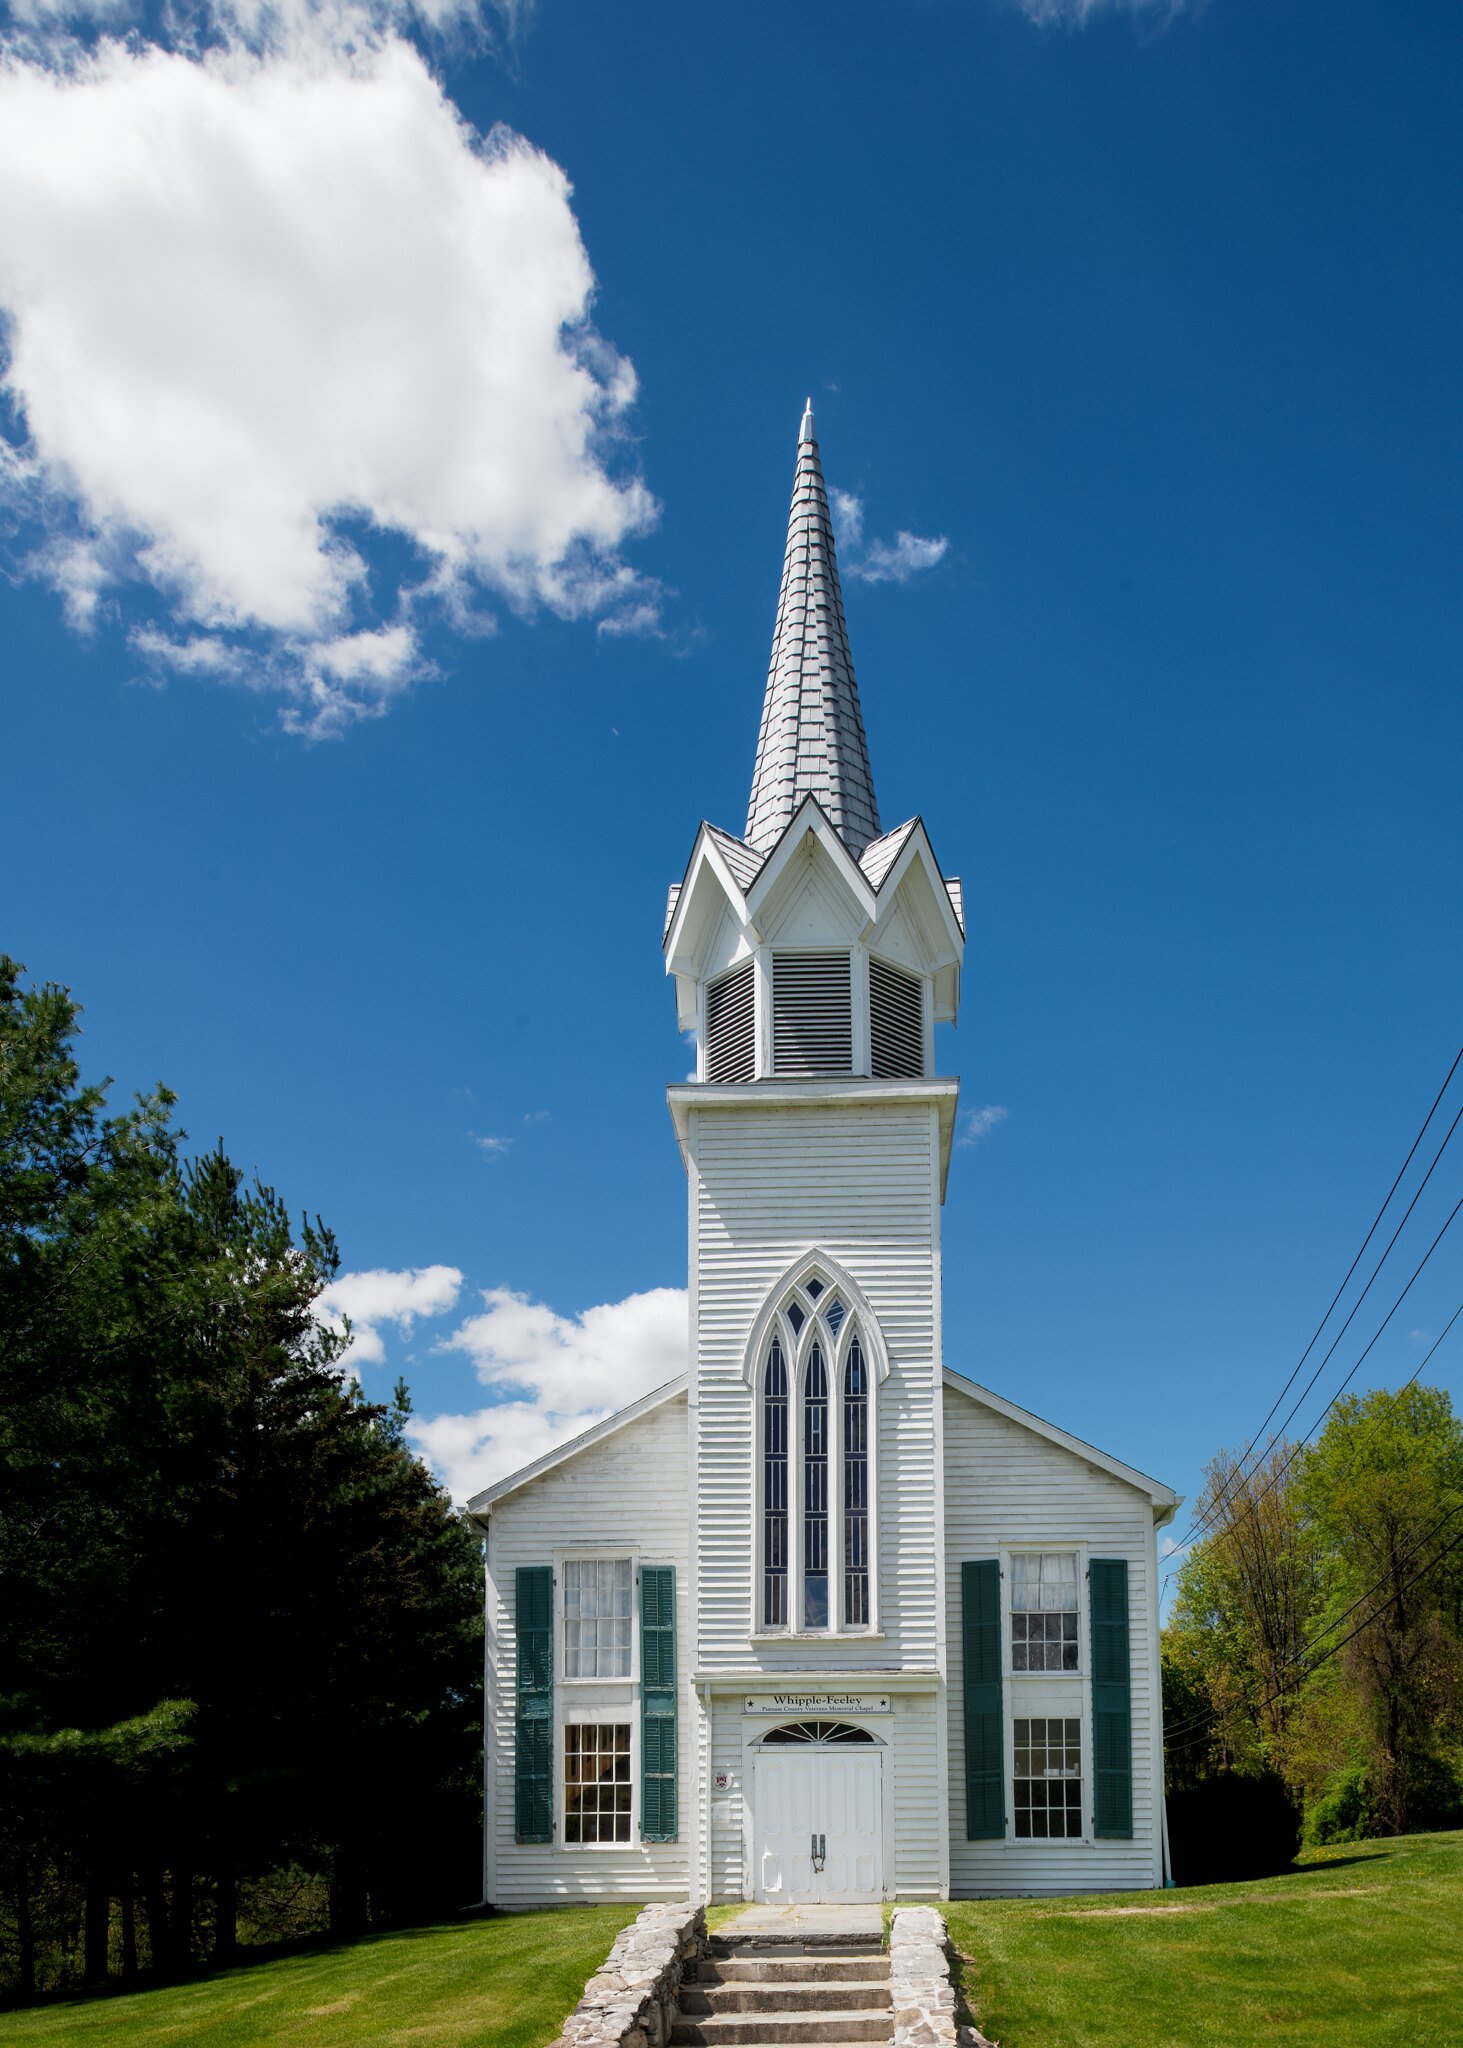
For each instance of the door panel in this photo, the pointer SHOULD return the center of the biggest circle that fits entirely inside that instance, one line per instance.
(854, 1824)
(833, 1792)
(785, 1790)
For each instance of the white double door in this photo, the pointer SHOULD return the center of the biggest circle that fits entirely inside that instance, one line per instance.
(815, 1807)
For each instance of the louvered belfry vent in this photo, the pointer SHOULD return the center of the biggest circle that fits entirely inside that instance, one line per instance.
(731, 1028)
(812, 1014)
(896, 1023)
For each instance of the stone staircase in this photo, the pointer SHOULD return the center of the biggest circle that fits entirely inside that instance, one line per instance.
(765, 1991)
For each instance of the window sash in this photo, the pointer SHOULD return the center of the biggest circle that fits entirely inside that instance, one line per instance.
(1044, 1607)
(1047, 1779)
(597, 1617)
(598, 1789)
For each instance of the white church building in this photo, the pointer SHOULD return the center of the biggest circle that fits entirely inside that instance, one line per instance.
(821, 1620)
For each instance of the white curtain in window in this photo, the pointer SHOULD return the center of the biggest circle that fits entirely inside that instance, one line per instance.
(597, 1618)
(1044, 1584)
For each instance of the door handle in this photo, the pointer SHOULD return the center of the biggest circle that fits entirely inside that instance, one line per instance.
(819, 1850)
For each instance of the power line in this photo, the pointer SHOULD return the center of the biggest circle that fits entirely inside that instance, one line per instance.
(1376, 1586)
(1411, 1150)
(1412, 1378)
(1335, 1649)
(1200, 1524)
(1204, 1522)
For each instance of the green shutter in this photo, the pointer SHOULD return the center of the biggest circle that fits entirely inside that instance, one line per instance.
(658, 1818)
(533, 1781)
(1112, 1712)
(985, 1775)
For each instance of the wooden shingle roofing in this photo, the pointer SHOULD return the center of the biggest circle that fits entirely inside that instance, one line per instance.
(812, 740)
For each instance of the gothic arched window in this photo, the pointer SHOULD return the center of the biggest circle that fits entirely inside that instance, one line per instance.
(815, 1492)
(815, 1385)
(855, 1489)
(774, 1490)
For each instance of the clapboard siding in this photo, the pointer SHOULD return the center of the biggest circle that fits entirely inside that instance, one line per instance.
(629, 1490)
(859, 1182)
(1006, 1487)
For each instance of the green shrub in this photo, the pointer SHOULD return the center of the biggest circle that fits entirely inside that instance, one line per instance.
(1346, 1810)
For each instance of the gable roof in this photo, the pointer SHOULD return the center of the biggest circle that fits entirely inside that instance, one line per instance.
(1163, 1497)
(811, 740)
(656, 1398)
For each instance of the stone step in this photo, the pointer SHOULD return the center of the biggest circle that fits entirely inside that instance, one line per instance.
(779, 1968)
(797, 1945)
(780, 1996)
(781, 2029)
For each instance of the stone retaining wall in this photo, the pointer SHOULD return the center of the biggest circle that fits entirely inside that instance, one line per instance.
(920, 1987)
(629, 2002)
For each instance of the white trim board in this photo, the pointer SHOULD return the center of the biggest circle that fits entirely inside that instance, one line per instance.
(1161, 1496)
(656, 1398)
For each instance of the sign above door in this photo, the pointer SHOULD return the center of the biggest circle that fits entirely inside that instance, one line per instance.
(817, 1703)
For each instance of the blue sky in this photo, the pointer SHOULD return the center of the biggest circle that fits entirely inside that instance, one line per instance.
(372, 650)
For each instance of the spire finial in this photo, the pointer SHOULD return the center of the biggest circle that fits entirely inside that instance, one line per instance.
(812, 738)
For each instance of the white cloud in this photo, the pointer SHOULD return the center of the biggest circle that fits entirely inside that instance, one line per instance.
(494, 1147)
(881, 561)
(1077, 13)
(979, 1123)
(381, 1295)
(605, 1357)
(271, 297)
(557, 1374)
(468, 1452)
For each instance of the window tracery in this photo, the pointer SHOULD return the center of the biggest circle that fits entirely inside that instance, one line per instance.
(815, 1496)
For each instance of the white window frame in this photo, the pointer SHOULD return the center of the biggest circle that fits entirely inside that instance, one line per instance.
(1079, 1565)
(615, 1714)
(1030, 1711)
(599, 1553)
(1047, 1695)
(858, 1321)
(591, 1700)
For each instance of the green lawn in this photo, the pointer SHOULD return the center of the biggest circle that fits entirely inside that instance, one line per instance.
(1363, 1944)
(495, 1983)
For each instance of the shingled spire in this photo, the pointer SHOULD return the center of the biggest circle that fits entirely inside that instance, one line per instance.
(812, 739)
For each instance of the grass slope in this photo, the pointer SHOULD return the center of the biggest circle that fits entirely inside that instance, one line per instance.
(1361, 1944)
(496, 1983)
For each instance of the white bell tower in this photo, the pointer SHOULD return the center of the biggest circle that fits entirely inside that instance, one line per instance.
(813, 957)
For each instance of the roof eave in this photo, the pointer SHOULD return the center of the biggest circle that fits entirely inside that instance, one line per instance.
(481, 1503)
(1160, 1495)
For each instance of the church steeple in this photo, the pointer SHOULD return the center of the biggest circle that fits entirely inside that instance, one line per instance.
(812, 738)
